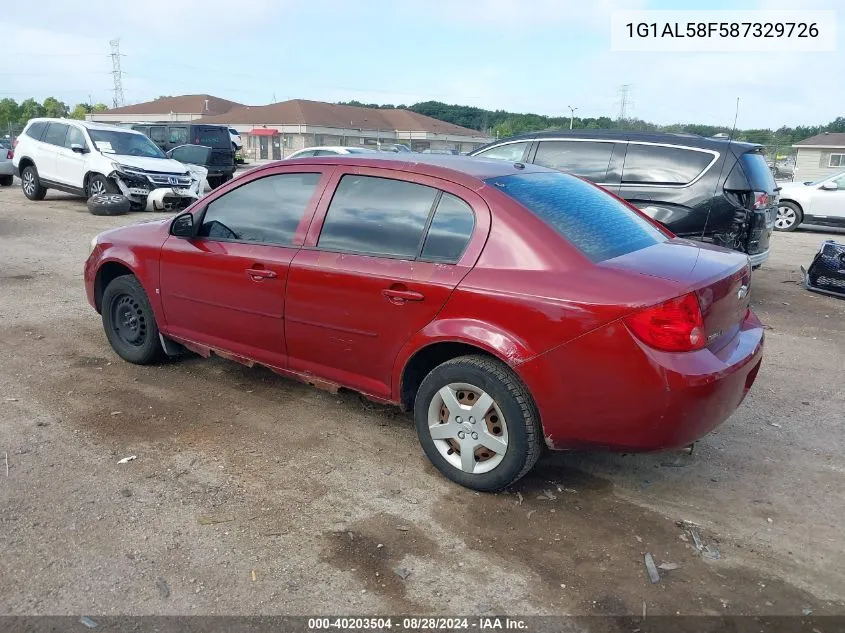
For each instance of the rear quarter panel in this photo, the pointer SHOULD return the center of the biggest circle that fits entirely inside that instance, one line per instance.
(529, 292)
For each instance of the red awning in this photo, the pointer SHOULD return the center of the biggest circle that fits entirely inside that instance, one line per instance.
(264, 131)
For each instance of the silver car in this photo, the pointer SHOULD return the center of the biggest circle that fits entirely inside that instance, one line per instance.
(7, 169)
(821, 202)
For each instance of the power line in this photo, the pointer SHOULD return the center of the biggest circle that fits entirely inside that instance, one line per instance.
(116, 73)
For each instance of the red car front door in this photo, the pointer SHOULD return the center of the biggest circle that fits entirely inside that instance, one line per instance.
(225, 288)
(371, 273)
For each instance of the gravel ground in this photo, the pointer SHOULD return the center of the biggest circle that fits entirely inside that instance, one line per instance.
(252, 494)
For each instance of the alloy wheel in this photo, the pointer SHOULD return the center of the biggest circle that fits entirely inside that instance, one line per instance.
(786, 218)
(468, 428)
(97, 187)
(28, 182)
(110, 198)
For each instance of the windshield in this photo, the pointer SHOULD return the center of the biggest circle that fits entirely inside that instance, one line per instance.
(211, 136)
(235, 132)
(360, 150)
(825, 179)
(757, 171)
(191, 154)
(124, 144)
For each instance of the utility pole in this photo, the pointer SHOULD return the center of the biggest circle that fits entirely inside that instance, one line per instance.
(117, 74)
(571, 115)
(623, 100)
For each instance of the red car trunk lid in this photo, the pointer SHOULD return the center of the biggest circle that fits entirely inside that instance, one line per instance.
(720, 279)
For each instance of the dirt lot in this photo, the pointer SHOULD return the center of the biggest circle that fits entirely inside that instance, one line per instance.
(254, 494)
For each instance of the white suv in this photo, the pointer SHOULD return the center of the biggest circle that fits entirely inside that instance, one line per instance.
(86, 158)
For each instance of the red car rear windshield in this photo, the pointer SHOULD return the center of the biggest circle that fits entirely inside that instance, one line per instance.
(598, 224)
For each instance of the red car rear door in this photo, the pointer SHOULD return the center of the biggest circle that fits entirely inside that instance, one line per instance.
(380, 260)
(225, 288)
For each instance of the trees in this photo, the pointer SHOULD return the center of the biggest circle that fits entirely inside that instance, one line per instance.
(14, 115)
(81, 109)
(501, 123)
(29, 109)
(9, 113)
(54, 108)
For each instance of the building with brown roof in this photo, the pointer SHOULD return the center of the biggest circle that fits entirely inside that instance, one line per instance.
(820, 156)
(278, 129)
(181, 108)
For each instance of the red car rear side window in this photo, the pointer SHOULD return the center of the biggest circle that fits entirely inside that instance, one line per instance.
(598, 224)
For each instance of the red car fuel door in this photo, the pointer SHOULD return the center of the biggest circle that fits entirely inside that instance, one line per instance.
(225, 287)
(378, 265)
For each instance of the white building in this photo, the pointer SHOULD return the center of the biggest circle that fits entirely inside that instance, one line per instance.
(819, 156)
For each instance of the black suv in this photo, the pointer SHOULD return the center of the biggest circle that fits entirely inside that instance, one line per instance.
(172, 134)
(708, 189)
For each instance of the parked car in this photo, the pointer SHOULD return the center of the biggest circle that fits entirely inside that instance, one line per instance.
(395, 148)
(453, 152)
(782, 170)
(86, 159)
(708, 189)
(235, 136)
(330, 150)
(821, 202)
(7, 167)
(169, 135)
(494, 300)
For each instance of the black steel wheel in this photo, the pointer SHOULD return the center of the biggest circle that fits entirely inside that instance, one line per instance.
(129, 322)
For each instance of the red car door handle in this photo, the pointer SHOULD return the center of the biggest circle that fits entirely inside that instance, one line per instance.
(401, 296)
(257, 274)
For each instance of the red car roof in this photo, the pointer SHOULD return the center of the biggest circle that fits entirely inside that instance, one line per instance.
(464, 170)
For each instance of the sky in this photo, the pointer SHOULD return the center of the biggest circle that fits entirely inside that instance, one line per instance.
(536, 56)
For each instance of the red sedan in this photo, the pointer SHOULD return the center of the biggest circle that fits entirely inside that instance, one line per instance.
(509, 306)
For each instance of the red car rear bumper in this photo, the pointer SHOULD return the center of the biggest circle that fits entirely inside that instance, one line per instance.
(608, 390)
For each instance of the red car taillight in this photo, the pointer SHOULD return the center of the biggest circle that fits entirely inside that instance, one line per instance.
(672, 326)
(10, 154)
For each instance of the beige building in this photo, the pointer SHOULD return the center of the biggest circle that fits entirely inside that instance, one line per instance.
(819, 156)
(279, 129)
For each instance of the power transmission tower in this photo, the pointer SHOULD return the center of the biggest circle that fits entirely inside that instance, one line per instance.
(117, 74)
(623, 100)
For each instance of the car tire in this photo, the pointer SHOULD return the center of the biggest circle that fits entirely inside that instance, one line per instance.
(31, 184)
(109, 204)
(789, 217)
(215, 181)
(100, 185)
(505, 439)
(129, 321)
(6, 181)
